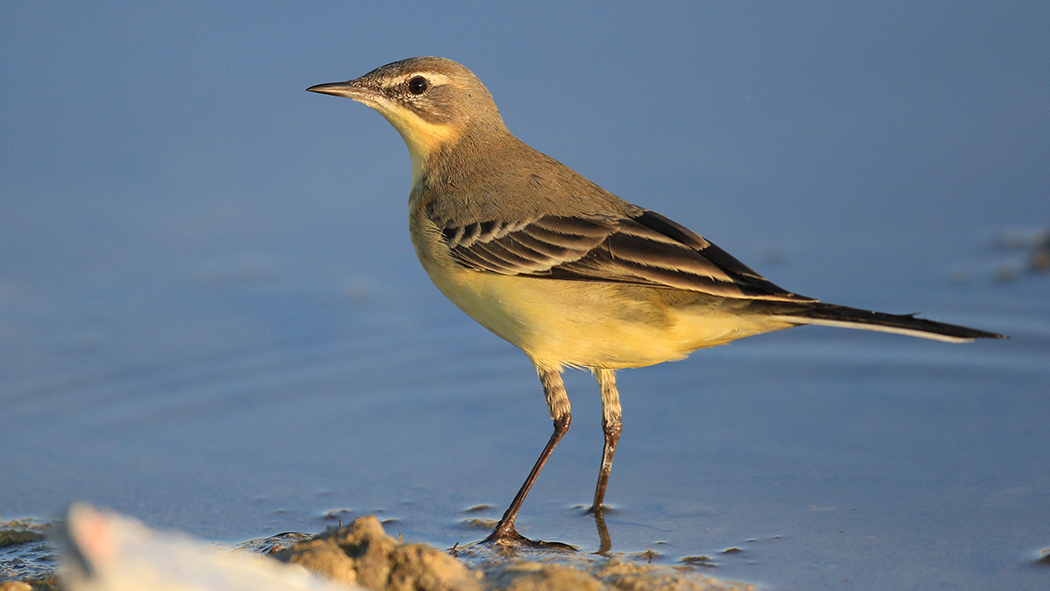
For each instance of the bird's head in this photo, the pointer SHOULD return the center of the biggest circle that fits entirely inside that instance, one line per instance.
(431, 101)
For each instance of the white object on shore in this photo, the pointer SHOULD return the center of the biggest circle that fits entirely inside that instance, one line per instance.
(103, 551)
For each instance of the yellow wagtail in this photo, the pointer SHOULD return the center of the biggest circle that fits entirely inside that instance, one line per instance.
(569, 273)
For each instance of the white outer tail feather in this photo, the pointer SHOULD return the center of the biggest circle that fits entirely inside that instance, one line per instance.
(911, 332)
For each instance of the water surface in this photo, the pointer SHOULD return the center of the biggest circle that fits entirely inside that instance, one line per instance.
(211, 318)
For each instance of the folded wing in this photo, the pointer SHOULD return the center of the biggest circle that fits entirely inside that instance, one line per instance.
(647, 249)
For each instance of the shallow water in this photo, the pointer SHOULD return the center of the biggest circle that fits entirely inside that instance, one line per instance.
(821, 455)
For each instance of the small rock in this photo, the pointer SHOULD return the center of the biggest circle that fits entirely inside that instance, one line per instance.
(363, 553)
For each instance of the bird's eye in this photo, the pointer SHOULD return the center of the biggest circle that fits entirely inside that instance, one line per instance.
(418, 85)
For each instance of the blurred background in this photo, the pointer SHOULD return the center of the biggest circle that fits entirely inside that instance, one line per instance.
(211, 316)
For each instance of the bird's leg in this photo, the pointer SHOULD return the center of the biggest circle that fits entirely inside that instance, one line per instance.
(611, 425)
(558, 403)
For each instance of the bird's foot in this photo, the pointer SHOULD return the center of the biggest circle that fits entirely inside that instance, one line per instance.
(509, 538)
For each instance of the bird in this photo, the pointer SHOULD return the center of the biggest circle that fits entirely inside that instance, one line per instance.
(571, 274)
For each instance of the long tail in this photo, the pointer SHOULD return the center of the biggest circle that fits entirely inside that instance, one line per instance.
(906, 324)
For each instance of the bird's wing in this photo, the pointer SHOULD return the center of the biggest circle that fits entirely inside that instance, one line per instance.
(646, 249)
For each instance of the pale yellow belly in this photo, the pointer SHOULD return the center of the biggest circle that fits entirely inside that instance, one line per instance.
(590, 324)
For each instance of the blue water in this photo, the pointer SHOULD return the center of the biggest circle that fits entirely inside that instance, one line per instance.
(211, 318)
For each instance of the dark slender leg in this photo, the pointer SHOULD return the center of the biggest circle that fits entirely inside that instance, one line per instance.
(558, 402)
(612, 425)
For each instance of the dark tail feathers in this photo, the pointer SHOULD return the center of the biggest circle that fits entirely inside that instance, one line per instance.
(906, 324)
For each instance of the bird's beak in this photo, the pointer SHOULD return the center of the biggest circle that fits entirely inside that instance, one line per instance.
(350, 89)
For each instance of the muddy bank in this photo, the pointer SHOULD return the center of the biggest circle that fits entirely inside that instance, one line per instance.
(364, 554)
(102, 551)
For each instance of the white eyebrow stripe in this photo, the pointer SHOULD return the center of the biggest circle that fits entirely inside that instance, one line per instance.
(432, 77)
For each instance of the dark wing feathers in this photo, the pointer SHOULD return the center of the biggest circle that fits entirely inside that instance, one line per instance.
(716, 256)
(647, 249)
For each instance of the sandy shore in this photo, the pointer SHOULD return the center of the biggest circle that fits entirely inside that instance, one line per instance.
(363, 554)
